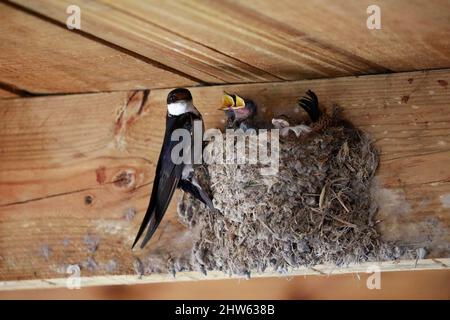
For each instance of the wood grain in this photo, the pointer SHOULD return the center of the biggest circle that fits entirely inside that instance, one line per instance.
(135, 32)
(38, 57)
(425, 264)
(395, 285)
(251, 37)
(413, 35)
(76, 170)
(252, 41)
(5, 94)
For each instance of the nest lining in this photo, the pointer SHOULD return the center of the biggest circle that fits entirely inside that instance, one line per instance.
(319, 208)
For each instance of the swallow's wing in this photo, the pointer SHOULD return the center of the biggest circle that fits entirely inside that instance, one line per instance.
(196, 191)
(166, 180)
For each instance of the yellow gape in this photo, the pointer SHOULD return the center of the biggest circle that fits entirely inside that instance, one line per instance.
(227, 102)
(240, 103)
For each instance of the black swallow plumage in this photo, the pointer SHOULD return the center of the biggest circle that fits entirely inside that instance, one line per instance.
(320, 119)
(181, 114)
(310, 104)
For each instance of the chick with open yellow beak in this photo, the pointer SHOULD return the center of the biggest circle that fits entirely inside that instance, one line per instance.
(239, 111)
(239, 102)
(227, 102)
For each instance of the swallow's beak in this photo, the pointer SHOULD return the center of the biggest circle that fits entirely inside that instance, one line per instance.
(227, 102)
(240, 103)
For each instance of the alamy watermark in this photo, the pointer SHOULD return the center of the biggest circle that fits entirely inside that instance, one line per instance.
(74, 279)
(374, 280)
(254, 147)
(74, 19)
(373, 22)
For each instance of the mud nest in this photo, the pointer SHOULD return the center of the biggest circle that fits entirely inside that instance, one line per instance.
(318, 209)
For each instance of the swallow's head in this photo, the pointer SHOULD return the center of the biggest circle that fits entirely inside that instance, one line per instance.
(179, 101)
(179, 94)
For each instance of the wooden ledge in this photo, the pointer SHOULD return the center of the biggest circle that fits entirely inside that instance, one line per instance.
(321, 270)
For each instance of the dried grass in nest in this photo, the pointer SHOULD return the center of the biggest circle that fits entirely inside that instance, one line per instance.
(317, 210)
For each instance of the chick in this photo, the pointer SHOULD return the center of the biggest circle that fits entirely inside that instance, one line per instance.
(240, 112)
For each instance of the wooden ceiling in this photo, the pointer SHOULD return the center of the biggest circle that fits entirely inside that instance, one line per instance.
(130, 44)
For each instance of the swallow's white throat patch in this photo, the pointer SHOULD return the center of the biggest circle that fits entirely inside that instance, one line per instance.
(180, 107)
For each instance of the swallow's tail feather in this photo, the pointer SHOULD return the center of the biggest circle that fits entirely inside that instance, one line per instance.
(310, 104)
(153, 225)
(148, 218)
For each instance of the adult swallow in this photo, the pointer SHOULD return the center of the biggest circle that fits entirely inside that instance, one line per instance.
(239, 111)
(170, 174)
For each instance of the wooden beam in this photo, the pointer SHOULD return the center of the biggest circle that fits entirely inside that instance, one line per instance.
(76, 170)
(253, 41)
(39, 57)
(133, 31)
(322, 270)
(412, 36)
(5, 94)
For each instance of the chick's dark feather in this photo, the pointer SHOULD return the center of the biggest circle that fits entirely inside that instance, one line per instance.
(310, 104)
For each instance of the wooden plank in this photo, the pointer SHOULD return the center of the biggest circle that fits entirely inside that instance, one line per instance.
(425, 264)
(76, 171)
(430, 284)
(413, 36)
(291, 40)
(38, 57)
(249, 41)
(162, 44)
(4, 94)
(254, 38)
